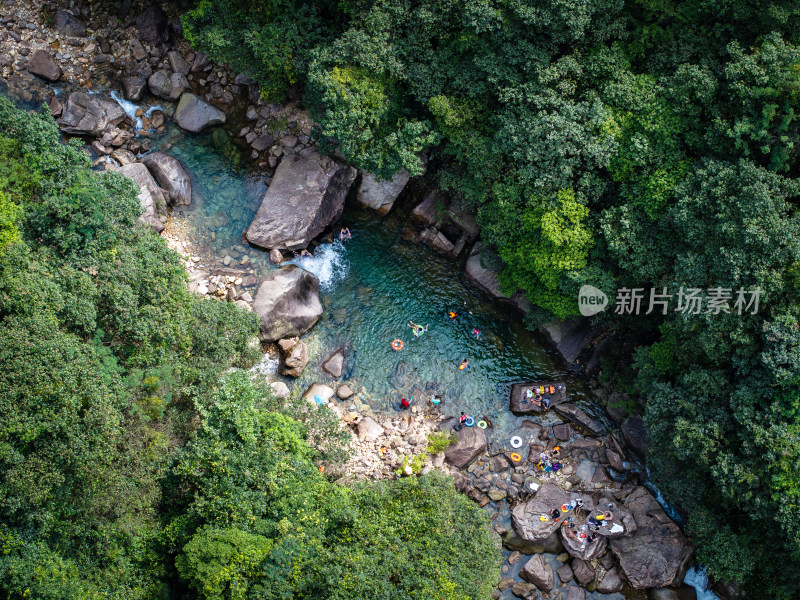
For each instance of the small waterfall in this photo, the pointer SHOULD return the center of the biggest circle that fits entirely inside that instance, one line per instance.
(329, 264)
(697, 578)
(130, 109)
(266, 367)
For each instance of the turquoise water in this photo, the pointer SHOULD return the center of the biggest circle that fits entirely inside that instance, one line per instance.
(371, 286)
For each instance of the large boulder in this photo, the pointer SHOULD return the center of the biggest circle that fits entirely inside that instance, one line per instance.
(634, 433)
(153, 26)
(65, 24)
(610, 583)
(151, 197)
(305, 196)
(295, 356)
(178, 63)
(577, 547)
(683, 592)
(550, 545)
(194, 114)
(369, 430)
(579, 417)
(576, 593)
(133, 88)
(484, 277)
(583, 571)
(470, 443)
(287, 303)
(427, 212)
(334, 364)
(381, 194)
(44, 65)
(570, 337)
(318, 393)
(538, 572)
(88, 115)
(657, 554)
(170, 175)
(526, 516)
(167, 85)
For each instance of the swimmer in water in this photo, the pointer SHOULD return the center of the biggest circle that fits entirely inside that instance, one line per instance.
(305, 254)
(344, 233)
(476, 332)
(452, 314)
(464, 364)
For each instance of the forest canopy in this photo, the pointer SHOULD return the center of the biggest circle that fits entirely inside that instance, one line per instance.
(622, 144)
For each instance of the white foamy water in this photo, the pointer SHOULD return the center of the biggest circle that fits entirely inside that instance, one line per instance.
(266, 366)
(329, 264)
(130, 109)
(697, 578)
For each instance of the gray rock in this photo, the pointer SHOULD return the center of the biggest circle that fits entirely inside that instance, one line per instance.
(334, 364)
(588, 552)
(167, 85)
(170, 175)
(295, 356)
(562, 432)
(151, 199)
(610, 583)
(262, 142)
(470, 444)
(525, 517)
(66, 24)
(657, 554)
(138, 51)
(381, 194)
(200, 63)
(565, 574)
(523, 589)
(153, 26)
(464, 219)
(194, 114)
(615, 461)
(44, 65)
(275, 256)
(123, 157)
(486, 279)
(579, 417)
(584, 574)
(576, 593)
(570, 337)
(538, 572)
(306, 195)
(550, 545)
(88, 115)
(318, 391)
(634, 433)
(436, 240)
(280, 389)
(177, 63)
(426, 212)
(344, 392)
(369, 430)
(133, 88)
(287, 303)
(55, 106)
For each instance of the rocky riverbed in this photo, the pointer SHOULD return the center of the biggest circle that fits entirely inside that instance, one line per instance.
(72, 56)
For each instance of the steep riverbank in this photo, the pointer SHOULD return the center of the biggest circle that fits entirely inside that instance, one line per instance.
(367, 317)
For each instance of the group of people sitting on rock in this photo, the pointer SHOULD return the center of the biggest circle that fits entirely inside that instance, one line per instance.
(548, 461)
(538, 400)
(586, 534)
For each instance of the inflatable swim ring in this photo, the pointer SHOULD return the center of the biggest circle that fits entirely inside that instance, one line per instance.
(462, 366)
(515, 457)
(552, 389)
(516, 442)
(469, 422)
(397, 345)
(482, 424)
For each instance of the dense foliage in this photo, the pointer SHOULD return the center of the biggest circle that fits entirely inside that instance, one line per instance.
(131, 468)
(618, 143)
